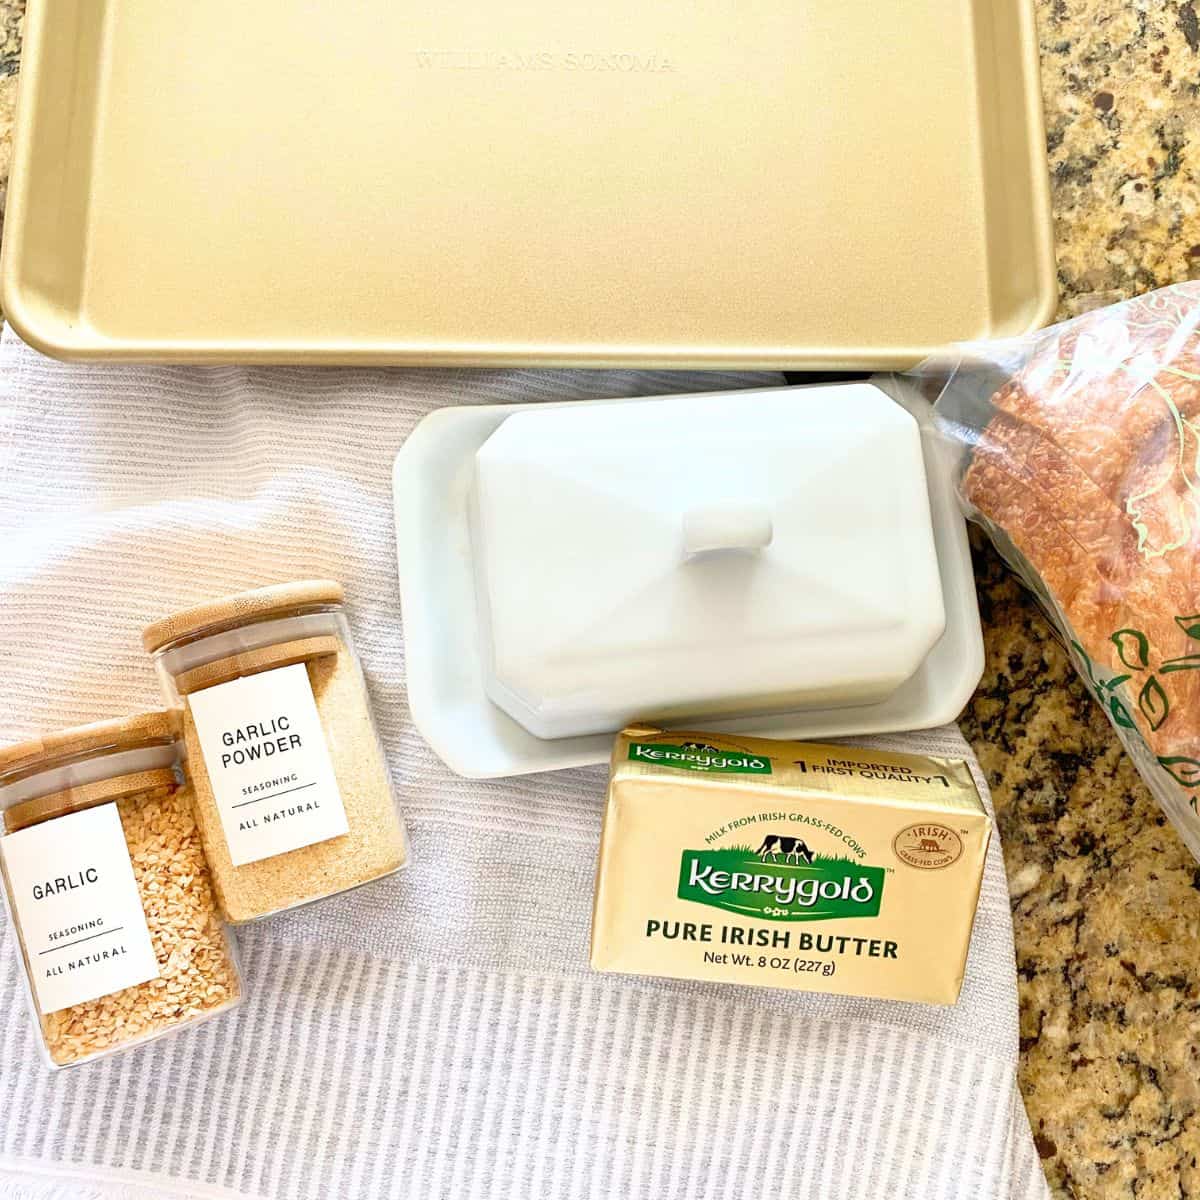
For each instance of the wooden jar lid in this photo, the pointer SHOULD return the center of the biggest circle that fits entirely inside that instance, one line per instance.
(228, 612)
(122, 733)
(159, 781)
(254, 662)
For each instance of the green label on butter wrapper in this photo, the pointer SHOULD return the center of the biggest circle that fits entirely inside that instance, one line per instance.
(739, 881)
(692, 756)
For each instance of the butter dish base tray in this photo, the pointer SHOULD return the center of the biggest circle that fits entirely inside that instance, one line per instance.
(433, 479)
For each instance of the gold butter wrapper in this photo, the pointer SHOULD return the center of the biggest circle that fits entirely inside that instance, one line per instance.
(788, 864)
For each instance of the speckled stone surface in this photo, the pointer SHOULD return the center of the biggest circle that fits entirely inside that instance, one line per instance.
(1121, 80)
(12, 13)
(1106, 915)
(1106, 902)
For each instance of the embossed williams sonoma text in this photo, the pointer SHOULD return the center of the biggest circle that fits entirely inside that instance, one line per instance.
(628, 62)
(788, 864)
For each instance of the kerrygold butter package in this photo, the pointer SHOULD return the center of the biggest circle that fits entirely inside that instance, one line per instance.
(788, 864)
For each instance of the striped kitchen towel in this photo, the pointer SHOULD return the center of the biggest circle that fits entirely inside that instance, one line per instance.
(439, 1033)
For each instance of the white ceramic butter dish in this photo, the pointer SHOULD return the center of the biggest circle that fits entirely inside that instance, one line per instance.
(785, 561)
(694, 557)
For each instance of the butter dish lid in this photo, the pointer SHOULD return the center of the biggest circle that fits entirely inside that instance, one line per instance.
(672, 558)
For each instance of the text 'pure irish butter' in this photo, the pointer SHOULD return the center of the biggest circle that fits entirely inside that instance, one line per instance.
(788, 864)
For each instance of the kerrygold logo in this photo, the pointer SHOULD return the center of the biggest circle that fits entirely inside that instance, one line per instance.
(736, 879)
(693, 756)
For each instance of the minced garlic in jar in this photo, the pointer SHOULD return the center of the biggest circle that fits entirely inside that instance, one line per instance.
(108, 887)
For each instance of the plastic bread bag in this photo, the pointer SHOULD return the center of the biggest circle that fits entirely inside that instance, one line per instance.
(1079, 453)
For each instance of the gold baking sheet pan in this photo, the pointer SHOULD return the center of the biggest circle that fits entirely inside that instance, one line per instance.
(682, 183)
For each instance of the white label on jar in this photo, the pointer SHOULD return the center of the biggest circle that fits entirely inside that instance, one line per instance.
(268, 764)
(76, 901)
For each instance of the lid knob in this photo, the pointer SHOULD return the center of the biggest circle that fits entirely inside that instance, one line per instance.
(745, 527)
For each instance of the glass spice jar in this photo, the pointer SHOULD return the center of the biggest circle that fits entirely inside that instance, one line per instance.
(107, 888)
(293, 794)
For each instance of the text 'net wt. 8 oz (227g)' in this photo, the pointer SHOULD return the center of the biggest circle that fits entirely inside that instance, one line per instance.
(1080, 456)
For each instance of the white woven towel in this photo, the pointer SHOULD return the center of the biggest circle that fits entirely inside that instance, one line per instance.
(438, 1034)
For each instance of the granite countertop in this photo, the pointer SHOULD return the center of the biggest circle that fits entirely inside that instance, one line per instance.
(1106, 901)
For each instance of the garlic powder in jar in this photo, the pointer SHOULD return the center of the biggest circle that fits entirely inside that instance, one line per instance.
(293, 794)
(108, 889)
